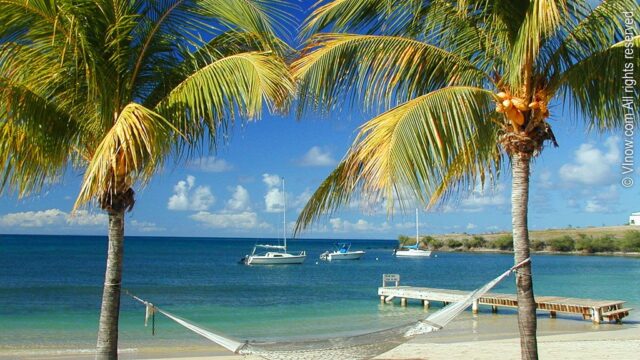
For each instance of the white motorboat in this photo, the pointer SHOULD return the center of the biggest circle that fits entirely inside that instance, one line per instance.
(275, 254)
(342, 252)
(413, 250)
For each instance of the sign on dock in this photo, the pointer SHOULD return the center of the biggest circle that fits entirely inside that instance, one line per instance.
(390, 278)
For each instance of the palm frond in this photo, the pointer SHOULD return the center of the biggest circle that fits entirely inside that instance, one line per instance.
(542, 21)
(238, 85)
(407, 152)
(376, 70)
(347, 15)
(470, 32)
(155, 86)
(265, 18)
(479, 161)
(595, 31)
(35, 138)
(132, 150)
(598, 85)
(178, 31)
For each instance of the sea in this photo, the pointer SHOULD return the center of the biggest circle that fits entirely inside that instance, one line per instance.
(51, 287)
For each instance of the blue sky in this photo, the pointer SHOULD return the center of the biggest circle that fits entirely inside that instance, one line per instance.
(237, 192)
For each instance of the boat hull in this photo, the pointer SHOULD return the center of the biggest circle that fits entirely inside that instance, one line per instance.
(413, 253)
(351, 255)
(271, 260)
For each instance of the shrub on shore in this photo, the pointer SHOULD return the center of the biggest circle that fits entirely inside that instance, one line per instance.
(475, 242)
(630, 241)
(504, 242)
(565, 243)
(427, 240)
(590, 245)
(538, 245)
(454, 244)
(403, 239)
(435, 244)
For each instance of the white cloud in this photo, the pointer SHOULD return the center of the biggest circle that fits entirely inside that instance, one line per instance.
(471, 226)
(211, 164)
(340, 225)
(274, 199)
(86, 218)
(146, 226)
(271, 180)
(594, 206)
(604, 201)
(243, 220)
(52, 217)
(405, 225)
(184, 198)
(240, 200)
(593, 166)
(34, 219)
(317, 157)
(484, 197)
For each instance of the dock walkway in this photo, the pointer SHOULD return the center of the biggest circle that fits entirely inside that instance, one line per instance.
(596, 310)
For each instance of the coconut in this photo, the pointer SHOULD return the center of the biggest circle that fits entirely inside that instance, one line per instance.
(520, 104)
(515, 116)
(507, 104)
(534, 105)
(499, 108)
(502, 95)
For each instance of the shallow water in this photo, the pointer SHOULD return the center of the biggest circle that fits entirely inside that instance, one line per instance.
(50, 289)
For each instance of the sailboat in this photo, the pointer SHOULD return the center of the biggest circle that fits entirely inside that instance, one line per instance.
(413, 250)
(264, 254)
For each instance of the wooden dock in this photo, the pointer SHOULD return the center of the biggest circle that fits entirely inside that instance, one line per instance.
(596, 310)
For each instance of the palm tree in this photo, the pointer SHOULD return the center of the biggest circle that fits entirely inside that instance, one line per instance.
(114, 88)
(465, 86)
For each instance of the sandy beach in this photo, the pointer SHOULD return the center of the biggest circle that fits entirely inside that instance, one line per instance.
(486, 336)
(615, 344)
(496, 337)
(622, 343)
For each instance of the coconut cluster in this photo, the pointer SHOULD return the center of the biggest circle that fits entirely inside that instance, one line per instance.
(514, 108)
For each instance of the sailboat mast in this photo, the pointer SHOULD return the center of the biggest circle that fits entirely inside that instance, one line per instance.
(417, 236)
(284, 216)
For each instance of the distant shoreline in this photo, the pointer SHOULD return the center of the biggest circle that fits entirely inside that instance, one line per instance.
(545, 252)
(603, 241)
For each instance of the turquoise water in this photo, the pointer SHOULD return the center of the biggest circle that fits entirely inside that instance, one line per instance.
(50, 288)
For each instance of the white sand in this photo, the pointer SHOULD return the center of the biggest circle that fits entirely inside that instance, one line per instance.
(487, 336)
(618, 344)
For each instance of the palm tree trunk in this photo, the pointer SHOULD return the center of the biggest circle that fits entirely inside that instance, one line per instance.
(524, 283)
(107, 348)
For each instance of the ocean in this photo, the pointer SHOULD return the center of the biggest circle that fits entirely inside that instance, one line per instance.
(50, 289)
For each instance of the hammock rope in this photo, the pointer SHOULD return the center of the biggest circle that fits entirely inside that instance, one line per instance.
(363, 346)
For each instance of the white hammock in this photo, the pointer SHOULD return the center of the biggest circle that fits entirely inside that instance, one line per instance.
(362, 346)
